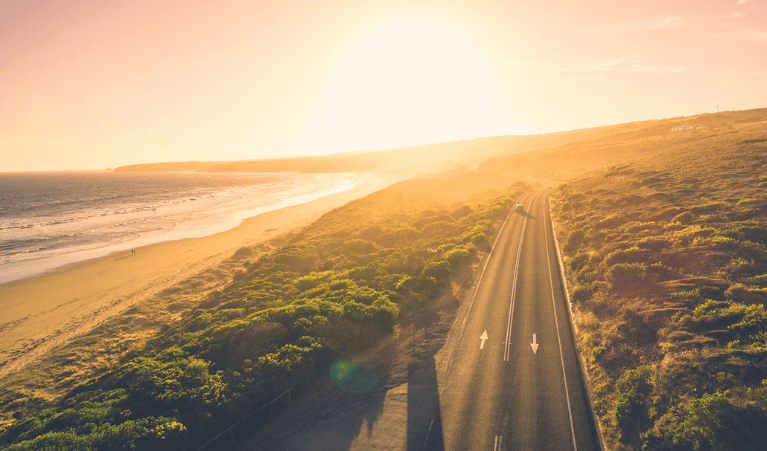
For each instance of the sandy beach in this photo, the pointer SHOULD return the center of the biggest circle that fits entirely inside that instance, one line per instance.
(42, 312)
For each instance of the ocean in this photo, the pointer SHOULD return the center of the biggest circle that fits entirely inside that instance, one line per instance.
(51, 219)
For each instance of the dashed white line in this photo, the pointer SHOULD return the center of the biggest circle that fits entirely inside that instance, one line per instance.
(507, 346)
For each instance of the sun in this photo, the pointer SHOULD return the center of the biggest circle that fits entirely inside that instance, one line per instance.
(408, 82)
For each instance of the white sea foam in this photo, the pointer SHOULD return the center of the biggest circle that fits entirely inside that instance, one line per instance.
(43, 227)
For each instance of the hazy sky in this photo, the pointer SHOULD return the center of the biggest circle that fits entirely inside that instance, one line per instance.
(96, 84)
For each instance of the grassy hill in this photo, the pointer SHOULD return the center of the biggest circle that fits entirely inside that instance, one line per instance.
(571, 154)
(553, 155)
(667, 259)
(404, 162)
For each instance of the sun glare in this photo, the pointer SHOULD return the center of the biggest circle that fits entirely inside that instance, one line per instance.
(405, 83)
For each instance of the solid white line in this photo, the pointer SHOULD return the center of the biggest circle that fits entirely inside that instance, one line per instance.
(479, 282)
(559, 339)
(507, 343)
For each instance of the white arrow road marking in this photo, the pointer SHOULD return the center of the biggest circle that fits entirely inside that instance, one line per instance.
(483, 338)
(534, 345)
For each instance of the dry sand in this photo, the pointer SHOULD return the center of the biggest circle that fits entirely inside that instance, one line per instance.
(42, 312)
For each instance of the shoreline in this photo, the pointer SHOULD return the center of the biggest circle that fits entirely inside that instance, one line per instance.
(47, 310)
(25, 268)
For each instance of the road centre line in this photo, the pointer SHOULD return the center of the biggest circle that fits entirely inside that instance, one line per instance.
(507, 343)
(479, 282)
(559, 339)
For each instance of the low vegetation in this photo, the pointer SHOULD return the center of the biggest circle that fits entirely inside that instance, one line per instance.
(667, 262)
(336, 289)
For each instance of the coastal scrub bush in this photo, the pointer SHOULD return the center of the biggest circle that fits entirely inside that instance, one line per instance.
(748, 295)
(701, 228)
(631, 255)
(625, 275)
(712, 422)
(457, 257)
(574, 241)
(653, 244)
(711, 207)
(631, 408)
(741, 320)
(683, 218)
(610, 222)
(582, 293)
(740, 269)
(461, 212)
(579, 260)
(337, 287)
(439, 271)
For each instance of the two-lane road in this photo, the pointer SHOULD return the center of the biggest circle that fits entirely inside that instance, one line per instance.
(507, 377)
(520, 388)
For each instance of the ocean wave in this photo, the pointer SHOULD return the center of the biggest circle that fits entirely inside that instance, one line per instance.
(140, 206)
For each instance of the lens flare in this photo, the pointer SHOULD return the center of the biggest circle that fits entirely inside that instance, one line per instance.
(351, 377)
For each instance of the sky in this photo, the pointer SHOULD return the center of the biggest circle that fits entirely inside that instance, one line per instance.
(92, 84)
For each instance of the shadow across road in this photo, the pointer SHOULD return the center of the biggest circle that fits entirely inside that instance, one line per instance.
(402, 411)
(424, 418)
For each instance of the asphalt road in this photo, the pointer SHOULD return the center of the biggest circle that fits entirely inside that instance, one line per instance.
(520, 388)
(517, 389)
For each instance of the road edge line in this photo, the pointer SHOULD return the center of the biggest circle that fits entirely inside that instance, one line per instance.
(573, 332)
(556, 322)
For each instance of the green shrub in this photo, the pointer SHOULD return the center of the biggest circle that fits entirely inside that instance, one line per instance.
(653, 244)
(457, 257)
(711, 207)
(631, 409)
(711, 422)
(579, 260)
(626, 275)
(610, 222)
(741, 320)
(461, 212)
(760, 280)
(439, 271)
(635, 227)
(631, 255)
(574, 241)
(683, 218)
(739, 269)
(688, 234)
(333, 289)
(748, 295)
(582, 293)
